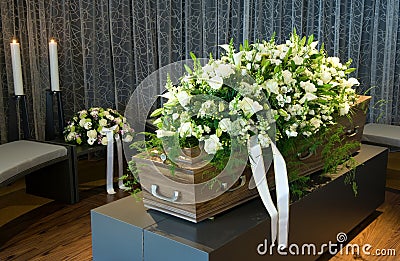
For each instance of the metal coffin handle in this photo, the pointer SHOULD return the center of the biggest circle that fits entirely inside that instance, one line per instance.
(154, 192)
(309, 154)
(242, 183)
(353, 132)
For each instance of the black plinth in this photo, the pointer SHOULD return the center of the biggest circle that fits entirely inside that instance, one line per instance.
(51, 98)
(125, 230)
(17, 103)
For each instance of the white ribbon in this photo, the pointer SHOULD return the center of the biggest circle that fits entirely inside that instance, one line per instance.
(120, 163)
(109, 132)
(280, 216)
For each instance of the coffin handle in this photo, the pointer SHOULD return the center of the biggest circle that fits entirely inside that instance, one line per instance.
(154, 192)
(224, 185)
(353, 132)
(308, 155)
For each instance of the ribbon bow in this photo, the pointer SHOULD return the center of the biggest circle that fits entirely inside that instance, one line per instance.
(109, 132)
(280, 216)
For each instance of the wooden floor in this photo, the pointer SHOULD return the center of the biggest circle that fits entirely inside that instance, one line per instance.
(56, 231)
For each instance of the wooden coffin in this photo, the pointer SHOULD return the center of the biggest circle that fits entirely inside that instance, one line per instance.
(163, 195)
(305, 162)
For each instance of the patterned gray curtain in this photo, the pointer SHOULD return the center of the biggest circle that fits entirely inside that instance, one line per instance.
(107, 47)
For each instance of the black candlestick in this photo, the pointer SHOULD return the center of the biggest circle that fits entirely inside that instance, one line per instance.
(50, 130)
(13, 130)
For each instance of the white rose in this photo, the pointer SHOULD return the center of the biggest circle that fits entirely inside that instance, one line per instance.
(272, 86)
(224, 70)
(92, 134)
(287, 77)
(335, 61)
(117, 120)
(249, 107)
(87, 125)
(127, 138)
(308, 86)
(103, 122)
(82, 122)
(316, 123)
(110, 117)
(185, 130)
(104, 141)
(183, 98)
(298, 60)
(212, 144)
(225, 124)
(326, 77)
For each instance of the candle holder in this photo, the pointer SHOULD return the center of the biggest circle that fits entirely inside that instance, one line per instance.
(18, 101)
(50, 128)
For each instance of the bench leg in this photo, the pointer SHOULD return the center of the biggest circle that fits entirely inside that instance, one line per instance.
(55, 181)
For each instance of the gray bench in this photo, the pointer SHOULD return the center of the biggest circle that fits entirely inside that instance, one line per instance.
(382, 134)
(49, 168)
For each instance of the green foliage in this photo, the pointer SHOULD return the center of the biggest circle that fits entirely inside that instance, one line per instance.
(130, 180)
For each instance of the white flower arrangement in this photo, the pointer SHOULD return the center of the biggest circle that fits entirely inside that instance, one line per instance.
(305, 88)
(88, 127)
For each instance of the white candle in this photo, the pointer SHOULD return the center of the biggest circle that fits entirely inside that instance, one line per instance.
(54, 80)
(16, 66)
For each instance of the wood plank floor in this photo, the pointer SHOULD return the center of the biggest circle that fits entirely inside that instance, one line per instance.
(56, 231)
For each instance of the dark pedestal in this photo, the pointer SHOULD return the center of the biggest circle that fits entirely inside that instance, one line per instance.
(125, 230)
(18, 104)
(51, 97)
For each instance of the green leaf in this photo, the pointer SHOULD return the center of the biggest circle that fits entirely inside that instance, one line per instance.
(303, 41)
(187, 68)
(350, 70)
(310, 39)
(156, 112)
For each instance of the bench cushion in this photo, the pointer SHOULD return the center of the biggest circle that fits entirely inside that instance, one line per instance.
(19, 156)
(383, 134)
